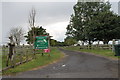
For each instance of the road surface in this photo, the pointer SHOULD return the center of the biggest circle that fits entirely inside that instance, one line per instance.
(75, 65)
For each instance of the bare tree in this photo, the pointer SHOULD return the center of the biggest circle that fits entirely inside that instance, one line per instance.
(18, 34)
(31, 21)
(32, 18)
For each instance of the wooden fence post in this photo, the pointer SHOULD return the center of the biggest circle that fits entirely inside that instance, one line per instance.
(21, 59)
(26, 53)
(11, 52)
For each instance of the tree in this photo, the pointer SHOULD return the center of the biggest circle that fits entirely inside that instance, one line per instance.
(36, 31)
(70, 41)
(31, 21)
(106, 27)
(53, 42)
(83, 13)
(92, 21)
(31, 18)
(18, 34)
(60, 43)
(56, 43)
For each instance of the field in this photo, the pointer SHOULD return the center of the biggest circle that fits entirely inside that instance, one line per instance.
(97, 51)
(39, 61)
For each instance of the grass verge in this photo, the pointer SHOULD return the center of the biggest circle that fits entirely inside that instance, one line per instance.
(39, 61)
(97, 51)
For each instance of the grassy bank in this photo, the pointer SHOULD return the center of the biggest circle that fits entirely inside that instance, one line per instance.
(97, 51)
(35, 63)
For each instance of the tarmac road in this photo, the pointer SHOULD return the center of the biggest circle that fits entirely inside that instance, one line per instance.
(75, 65)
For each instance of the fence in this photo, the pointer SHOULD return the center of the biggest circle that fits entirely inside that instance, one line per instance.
(110, 47)
(22, 54)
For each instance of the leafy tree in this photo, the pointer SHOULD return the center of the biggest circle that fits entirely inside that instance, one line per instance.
(105, 27)
(83, 13)
(60, 43)
(70, 41)
(38, 31)
(56, 43)
(53, 42)
(93, 21)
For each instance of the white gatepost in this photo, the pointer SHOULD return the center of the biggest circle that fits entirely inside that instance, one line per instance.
(113, 43)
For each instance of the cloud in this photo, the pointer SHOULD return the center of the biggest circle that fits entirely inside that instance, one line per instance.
(57, 30)
(0, 23)
(39, 0)
(53, 16)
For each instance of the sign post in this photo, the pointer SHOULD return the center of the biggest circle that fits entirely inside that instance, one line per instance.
(42, 42)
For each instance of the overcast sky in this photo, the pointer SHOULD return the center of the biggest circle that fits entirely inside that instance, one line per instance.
(53, 16)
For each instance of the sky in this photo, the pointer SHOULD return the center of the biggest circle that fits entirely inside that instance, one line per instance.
(53, 16)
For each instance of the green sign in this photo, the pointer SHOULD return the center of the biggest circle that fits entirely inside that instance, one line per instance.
(41, 42)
